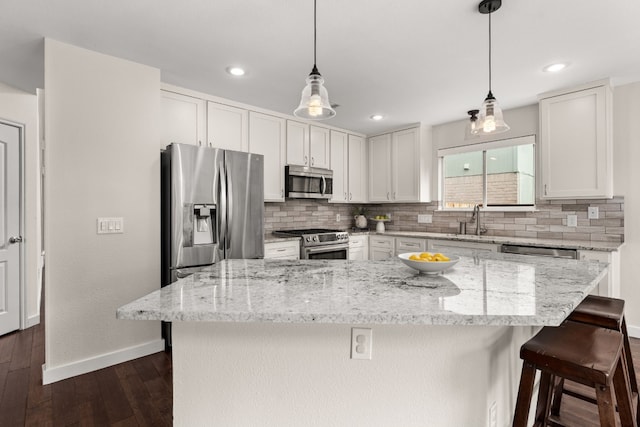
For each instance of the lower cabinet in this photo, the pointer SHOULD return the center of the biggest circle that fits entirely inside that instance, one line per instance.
(609, 286)
(288, 249)
(409, 244)
(359, 247)
(381, 247)
(443, 245)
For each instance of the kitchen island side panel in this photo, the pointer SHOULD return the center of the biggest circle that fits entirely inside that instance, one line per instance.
(245, 374)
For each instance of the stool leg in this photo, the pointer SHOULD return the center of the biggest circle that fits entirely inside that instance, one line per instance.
(558, 391)
(525, 392)
(544, 398)
(606, 408)
(623, 394)
(633, 381)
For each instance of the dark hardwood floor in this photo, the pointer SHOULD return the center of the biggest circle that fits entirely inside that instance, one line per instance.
(135, 393)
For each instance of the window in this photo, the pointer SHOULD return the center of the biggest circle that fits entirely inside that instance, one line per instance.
(498, 174)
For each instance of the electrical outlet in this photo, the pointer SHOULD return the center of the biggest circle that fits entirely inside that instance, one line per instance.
(493, 415)
(425, 219)
(593, 212)
(337, 217)
(572, 220)
(361, 343)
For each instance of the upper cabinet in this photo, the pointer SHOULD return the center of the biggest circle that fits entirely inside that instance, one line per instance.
(183, 119)
(575, 126)
(227, 127)
(348, 162)
(307, 145)
(339, 164)
(357, 169)
(399, 167)
(267, 137)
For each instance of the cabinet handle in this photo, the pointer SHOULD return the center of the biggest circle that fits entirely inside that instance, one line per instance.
(281, 192)
(388, 196)
(199, 143)
(350, 196)
(394, 195)
(281, 250)
(313, 161)
(306, 160)
(345, 195)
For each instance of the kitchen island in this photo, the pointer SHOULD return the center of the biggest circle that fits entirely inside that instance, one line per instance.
(261, 342)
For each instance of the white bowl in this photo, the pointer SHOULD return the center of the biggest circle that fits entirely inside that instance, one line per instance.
(429, 267)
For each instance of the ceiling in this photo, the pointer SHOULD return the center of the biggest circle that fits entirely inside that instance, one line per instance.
(412, 61)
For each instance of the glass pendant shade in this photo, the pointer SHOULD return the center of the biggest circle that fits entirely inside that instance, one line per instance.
(314, 103)
(469, 131)
(490, 118)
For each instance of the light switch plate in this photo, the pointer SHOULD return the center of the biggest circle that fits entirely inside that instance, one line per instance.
(593, 212)
(113, 225)
(572, 220)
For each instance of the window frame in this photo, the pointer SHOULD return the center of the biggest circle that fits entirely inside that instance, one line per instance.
(483, 147)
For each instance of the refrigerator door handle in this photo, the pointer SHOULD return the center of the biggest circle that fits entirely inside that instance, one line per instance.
(222, 214)
(229, 207)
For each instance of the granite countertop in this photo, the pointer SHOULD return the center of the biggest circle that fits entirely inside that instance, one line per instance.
(484, 288)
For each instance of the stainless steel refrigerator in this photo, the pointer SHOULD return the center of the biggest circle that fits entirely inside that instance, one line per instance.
(212, 208)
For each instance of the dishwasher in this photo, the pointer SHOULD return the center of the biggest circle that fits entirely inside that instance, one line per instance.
(540, 251)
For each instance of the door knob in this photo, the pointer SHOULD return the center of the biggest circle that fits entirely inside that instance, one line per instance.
(15, 239)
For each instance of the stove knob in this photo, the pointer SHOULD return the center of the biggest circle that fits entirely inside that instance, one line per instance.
(308, 239)
(315, 238)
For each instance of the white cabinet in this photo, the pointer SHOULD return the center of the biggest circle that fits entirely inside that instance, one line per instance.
(267, 137)
(576, 126)
(340, 166)
(227, 127)
(435, 245)
(409, 244)
(288, 249)
(348, 162)
(183, 119)
(357, 170)
(609, 286)
(307, 145)
(359, 247)
(399, 167)
(380, 247)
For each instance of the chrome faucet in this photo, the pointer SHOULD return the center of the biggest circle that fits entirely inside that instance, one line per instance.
(476, 217)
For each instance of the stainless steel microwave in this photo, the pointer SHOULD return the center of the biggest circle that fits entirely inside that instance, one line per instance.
(301, 182)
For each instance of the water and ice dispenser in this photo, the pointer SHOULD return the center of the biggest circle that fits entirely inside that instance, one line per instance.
(199, 224)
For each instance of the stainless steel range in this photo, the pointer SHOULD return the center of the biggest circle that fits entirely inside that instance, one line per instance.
(319, 243)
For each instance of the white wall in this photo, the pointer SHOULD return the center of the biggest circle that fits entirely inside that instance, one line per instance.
(626, 152)
(22, 107)
(259, 374)
(102, 159)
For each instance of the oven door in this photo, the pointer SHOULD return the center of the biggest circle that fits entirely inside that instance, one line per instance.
(326, 252)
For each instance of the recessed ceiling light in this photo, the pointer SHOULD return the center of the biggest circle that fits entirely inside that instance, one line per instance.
(554, 68)
(377, 117)
(235, 71)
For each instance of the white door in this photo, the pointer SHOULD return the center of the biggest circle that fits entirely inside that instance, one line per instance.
(9, 228)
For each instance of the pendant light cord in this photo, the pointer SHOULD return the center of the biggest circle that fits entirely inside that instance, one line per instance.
(314, 33)
(489, 52)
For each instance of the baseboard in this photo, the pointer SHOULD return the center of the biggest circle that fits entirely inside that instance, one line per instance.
(59, 373)
(633, 331)
(32, 321)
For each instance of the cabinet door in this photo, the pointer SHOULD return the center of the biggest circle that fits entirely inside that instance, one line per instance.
(183, 119)
(319, 144)
(227, 127)
(405, 164)
(444, 245)
(267, 137)
(339, 165)
(380, 168)
(575, 126)
(357, 168)
(407, 244)
(297, 143)
(282, 250)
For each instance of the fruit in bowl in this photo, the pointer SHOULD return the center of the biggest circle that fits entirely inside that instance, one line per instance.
(426, 262)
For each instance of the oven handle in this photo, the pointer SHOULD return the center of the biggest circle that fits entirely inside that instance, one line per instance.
(325, 248)
(324, 185)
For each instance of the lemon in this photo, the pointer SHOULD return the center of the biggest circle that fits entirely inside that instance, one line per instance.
(425, 255)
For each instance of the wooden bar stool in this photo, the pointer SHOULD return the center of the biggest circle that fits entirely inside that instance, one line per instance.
(586, 354)
(605, 313)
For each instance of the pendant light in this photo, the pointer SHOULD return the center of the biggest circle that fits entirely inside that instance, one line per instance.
(490, 118)
(472, 125)
(314, 104)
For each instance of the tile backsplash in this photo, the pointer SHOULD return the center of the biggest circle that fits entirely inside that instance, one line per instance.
(548, 221)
